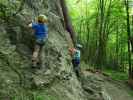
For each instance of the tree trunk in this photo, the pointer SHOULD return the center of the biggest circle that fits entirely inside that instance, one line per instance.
(128, 33)
(67, 20)
(100, 52)
(117, 46)
(103, 32)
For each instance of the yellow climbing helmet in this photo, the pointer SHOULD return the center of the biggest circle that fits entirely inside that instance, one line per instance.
(42, 18)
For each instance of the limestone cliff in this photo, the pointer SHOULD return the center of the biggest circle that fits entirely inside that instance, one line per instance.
(56, 79)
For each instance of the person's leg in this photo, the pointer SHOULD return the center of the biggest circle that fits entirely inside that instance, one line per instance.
(35, 54)
(40, 55)
(37, 48)
(77, 71)
(77, 68)
(42, 43)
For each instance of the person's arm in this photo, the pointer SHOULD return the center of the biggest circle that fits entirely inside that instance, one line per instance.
(33, 27)
(71, 51)
(30, 25)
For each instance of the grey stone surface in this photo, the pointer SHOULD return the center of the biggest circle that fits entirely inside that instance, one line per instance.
(56, 78)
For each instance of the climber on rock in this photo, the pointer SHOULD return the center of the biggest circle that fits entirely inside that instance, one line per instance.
(41, 34)
(75, 53)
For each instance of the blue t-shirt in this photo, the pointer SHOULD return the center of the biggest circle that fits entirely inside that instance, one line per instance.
(41, 30)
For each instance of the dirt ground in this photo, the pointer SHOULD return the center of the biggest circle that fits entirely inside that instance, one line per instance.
(115, 90)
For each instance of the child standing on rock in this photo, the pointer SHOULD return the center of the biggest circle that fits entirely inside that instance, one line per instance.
(75, 53)
(41, 34)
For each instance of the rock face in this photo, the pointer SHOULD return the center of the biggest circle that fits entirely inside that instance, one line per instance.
(56, 79)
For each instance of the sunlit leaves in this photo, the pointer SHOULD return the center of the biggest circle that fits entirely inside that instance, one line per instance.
(85, 13)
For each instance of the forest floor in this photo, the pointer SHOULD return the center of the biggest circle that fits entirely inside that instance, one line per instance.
(117, 90)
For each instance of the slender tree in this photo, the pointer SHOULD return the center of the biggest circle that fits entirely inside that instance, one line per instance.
(129, 35)
(104, 17)
(67, 20)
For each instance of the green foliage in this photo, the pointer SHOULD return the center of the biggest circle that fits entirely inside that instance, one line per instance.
(116, 75)
(86, 20)
(9, 7)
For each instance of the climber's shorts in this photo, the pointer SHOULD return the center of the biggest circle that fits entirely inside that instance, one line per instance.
(76, 62)
(76, 66)
(41, 41)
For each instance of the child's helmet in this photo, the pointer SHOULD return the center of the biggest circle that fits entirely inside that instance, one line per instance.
(42, 18)
(78, 46)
